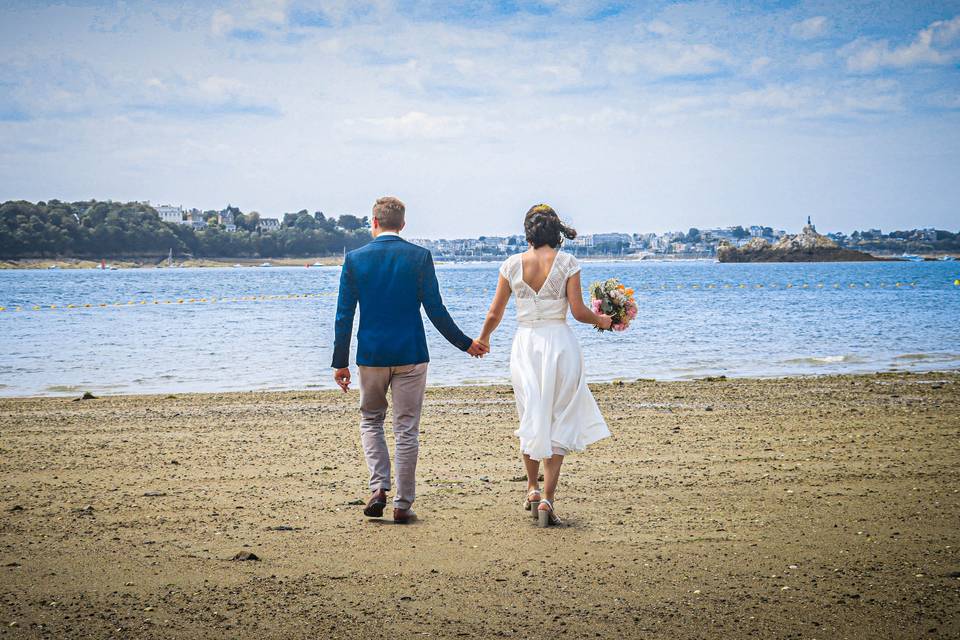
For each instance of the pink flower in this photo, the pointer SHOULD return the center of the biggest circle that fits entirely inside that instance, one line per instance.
(595, 305)
(631, 312)
(619, 327)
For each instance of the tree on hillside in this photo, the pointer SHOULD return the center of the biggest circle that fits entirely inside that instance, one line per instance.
(349, 222)
(95, 229)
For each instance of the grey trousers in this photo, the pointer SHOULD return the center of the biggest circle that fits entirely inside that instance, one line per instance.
(407, 384)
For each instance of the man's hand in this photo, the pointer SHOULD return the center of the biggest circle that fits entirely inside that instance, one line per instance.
(478, 349)
(342, 378)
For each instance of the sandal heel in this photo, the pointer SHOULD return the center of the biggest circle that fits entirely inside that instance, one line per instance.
(534, 507)
(543, 519)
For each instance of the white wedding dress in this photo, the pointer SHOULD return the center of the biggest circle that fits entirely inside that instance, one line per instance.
(557, 411)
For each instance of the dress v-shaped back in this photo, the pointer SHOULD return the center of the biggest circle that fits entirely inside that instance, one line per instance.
(549, 304)
(553, 265)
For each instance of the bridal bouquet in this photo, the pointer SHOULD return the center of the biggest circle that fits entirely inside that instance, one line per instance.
(615, 300)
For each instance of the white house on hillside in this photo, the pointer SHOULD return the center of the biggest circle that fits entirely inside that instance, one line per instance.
(170, 213)
(268, 224)
(227, 218)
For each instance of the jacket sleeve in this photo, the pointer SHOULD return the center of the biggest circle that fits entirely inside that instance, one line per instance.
(343, 325)
(433, 305)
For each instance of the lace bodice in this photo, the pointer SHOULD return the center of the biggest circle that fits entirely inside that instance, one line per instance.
(550, 303)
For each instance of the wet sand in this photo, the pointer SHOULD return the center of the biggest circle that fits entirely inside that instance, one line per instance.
(791, 508)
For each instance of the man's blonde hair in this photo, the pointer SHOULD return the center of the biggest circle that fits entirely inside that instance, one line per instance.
(389, 212)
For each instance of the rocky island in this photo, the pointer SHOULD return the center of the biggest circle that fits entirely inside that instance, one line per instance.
(806, 246)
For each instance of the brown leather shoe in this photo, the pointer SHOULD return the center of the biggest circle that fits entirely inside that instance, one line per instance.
(376, 504)
(403, 516)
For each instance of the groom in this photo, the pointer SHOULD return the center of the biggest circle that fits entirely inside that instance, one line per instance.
(391, 278)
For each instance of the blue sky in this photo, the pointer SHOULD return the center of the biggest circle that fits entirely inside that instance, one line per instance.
(625, 116)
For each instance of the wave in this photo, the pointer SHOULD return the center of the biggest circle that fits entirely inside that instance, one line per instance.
(939, 357)
(815, 361)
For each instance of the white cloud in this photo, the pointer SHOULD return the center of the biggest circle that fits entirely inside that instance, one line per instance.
(779, 102)
(844, 100)
(935, 45)
(250, 16)
(413, 125)
(810, 29)
(668, 59)
(812, 61)
(758, 65)
(607, 119)
(657, 28)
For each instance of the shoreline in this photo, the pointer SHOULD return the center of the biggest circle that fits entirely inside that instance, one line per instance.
(594, 385)
(814, 507)
(336, 261)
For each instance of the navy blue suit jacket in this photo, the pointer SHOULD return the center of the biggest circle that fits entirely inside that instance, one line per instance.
(390, 278)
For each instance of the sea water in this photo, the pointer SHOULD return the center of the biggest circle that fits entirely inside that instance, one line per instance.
(181, 330)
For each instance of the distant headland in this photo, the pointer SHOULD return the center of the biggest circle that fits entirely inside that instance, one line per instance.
(806, 246)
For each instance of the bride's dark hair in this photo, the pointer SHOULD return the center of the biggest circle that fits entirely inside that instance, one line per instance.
(542, 226)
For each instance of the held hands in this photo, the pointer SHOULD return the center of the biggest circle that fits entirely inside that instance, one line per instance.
(479, 349)
(604, 321)
(342, 378)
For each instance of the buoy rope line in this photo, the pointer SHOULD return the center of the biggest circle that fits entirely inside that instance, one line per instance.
(171, 301)
(327, 294)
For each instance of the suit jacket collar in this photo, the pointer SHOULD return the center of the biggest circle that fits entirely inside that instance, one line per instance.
(383, 238)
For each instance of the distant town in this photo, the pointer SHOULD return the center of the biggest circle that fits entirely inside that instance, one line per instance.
(693, 243)
(95, 229)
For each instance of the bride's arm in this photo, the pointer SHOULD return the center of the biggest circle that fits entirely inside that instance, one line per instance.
(579, 310)
(495, 313)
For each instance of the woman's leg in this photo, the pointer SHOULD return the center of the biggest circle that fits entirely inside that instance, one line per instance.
(551, 475)
(533, 473)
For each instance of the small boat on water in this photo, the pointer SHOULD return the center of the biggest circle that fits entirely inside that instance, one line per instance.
(910, 257)
(53, 266)
(947, 259)
(237, 266)
(317, 264)
(265, 264)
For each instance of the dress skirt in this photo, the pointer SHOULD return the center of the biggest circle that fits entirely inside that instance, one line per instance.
(558, 413)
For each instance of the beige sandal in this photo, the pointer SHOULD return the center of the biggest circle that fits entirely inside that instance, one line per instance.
(545, 515)
(532, 502)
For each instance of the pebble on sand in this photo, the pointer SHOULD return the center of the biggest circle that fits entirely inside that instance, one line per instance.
(246, 555)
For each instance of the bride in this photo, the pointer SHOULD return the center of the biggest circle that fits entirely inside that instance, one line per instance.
(557, 412)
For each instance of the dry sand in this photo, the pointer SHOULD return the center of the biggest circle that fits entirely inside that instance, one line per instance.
(794, 508)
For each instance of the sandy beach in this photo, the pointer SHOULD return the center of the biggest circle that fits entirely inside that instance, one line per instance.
(789, 508)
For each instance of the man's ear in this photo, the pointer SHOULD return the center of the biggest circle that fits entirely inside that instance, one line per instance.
(402, 225)
(374, 223)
